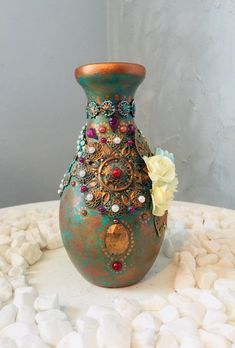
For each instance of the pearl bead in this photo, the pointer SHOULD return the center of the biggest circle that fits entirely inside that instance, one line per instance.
(59, 192)
(79, 153)
(89, 197)
(61, 186)
(115, 208)
(141, 199)
(82, 173)
(82, 142)
(91, 149)
(117, 140)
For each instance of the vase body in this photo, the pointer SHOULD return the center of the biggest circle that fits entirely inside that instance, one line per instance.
(106, 222)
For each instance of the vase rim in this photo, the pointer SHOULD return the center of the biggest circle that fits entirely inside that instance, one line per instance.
(110, 67)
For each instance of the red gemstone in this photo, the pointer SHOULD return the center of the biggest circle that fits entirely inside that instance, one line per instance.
(103, 140)
(102, 129)
(130, 142)
(73, 183)
(116, 173)
(123, 129)
(117, 266)
(83, 188)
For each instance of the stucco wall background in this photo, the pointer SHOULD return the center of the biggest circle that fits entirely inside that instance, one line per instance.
(41, 104)
(187, 102)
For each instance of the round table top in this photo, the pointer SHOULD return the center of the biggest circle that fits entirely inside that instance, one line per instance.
(54, 272)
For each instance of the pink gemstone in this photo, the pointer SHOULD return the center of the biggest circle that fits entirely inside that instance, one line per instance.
(73, 183)
(103, 140)
(91, 133)
(114, 122)
(117, 266)
(81, 159)
(131, 209)
(130, 142)
(130, 129)
(83, 188)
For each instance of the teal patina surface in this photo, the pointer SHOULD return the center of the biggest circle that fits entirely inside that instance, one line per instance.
(106, 223)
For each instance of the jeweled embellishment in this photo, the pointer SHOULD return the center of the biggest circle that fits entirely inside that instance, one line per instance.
(92, 109)
(89, 197)
(82, 173)
(115, 208)
(124, 108)
(116, 239)
(107, 108)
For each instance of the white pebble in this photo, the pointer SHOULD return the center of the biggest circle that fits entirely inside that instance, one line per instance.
(167, 340)
(71, 340)
(181, 327)
(52, 331)
(26, 314)
(186, 259)
(194, 310)
(17, 330)
(4, 239)
(211, 246)
(6, 342)
(176, 299)
(191, 342)
(210, 301)
(46, 302)
(127, 308)
(97, 312)
(18, 282)
(88, 329)
(113, 332)
(7, 315)
(225, 330)
(31, 341)
(205, 260)
(52, 314)
(5, 289)
(168, 313)
(31, 252)
(211, 340)
(4, 265)
(145, 320)
(143, 338)
(25, 296)
(184, 278)
(214, 316)
(205, 278)
(154, 303)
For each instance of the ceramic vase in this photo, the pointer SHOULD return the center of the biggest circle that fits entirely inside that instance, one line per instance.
(106, 220)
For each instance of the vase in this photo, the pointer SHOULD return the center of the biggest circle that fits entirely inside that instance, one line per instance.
(106, 220)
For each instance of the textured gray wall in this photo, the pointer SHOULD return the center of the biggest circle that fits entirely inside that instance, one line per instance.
(41, 105)
(186, 103)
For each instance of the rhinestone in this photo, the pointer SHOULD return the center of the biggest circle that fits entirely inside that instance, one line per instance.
(73, 183)
(141, 199)
(115, 208)
(84, 212)
(91, 149)
(82, 173)
(82, 143)
(83, 188)
(117, 140)
(117, 266)
(131, 209)
(79, 153)
(89, 197)
(84, 148)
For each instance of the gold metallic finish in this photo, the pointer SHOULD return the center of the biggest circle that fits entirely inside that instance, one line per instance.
(105, 68)
(116, 239)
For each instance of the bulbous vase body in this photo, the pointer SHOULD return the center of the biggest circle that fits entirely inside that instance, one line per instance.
(106, 220)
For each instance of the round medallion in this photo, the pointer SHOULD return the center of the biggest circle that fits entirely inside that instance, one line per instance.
(115, 174)
(92, 109)
(124, 108)
(107, 108)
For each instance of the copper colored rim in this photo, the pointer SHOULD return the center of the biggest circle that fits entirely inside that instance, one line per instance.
(110, 67)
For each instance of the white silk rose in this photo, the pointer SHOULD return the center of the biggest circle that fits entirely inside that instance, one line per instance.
(161, 170)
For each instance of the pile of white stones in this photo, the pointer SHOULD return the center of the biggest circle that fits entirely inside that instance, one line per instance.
(199, 313)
